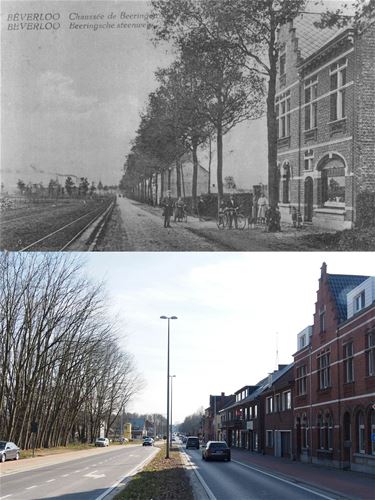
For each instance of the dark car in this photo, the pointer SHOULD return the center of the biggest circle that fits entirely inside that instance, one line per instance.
(9, 451)
(192, 442)
(216, 450)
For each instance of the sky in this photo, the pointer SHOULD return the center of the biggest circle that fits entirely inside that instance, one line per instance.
(238, 315)
(72, 98)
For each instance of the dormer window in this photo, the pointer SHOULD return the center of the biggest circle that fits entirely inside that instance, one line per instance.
(359, 301)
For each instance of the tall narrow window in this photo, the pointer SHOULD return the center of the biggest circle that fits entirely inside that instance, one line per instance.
(311, 105)
(324, 371)
(329, 420)
(322, 320)
(308, 159)
(301, 380)
(282, 64)
(337, 85)
(361, 432)
(372, 420)
(283, 115)
(348, 362)
(371, 353)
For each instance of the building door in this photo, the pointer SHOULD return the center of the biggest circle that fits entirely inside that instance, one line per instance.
(285, 444)
(308, 199)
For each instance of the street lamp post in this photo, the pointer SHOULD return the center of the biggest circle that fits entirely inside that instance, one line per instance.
(171, 377)
(167, 444)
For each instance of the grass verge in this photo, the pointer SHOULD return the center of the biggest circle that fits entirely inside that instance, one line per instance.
(161, 479)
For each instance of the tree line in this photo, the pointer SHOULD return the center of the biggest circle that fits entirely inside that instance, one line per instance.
(224, 72)
(80, 187)
(62, 369)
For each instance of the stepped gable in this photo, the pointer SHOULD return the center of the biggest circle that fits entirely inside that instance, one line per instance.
(340, 285)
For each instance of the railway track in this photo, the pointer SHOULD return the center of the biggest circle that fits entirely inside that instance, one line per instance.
(56, 231)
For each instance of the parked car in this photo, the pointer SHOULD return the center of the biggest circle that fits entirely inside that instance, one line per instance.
(9, 451)
(148, 442)
(102, 442)
(192, 442)
(216, 450)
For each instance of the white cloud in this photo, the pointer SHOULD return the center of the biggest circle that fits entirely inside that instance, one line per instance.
(58, 93)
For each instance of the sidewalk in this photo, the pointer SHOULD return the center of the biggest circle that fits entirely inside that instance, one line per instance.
(249, 239)
(352, 485)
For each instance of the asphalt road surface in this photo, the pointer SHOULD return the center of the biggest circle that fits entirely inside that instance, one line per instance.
(233, 480)
(87, 477)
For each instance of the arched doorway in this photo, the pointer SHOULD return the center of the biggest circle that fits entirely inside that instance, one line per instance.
(308, 213)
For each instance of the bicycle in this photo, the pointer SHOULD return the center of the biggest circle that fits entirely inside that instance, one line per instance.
(226, 218)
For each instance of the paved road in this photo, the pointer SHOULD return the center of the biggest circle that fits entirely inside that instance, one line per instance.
(237, 480)
(84, 478)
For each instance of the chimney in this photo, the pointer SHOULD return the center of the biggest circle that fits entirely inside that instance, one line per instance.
(323, 270)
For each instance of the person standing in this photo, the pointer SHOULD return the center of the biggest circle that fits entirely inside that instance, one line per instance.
(232, 208)
(200, 208)
(262, 208)
(167, 210)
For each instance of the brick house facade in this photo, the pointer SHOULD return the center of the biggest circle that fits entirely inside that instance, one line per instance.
(325, 111)
(334, 415)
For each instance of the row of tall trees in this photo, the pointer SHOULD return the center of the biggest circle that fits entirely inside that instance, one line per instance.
(225, 72)
(192, 424)
(61, 366)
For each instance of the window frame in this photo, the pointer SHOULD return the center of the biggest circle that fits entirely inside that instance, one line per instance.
(337, 75)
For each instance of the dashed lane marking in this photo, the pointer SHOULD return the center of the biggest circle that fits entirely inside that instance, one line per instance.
(31, 487)
(50, 480)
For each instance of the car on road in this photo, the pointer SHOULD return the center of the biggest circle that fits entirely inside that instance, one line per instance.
(9, 451)
(192, 442)
(148, 442)
(216, 450)
(102, 442)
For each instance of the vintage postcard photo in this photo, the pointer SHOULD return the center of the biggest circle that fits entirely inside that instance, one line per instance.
(187, 125)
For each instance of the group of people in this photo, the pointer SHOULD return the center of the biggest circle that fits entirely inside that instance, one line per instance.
(171, 207)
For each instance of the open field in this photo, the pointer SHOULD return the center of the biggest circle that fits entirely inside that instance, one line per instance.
(23, 224)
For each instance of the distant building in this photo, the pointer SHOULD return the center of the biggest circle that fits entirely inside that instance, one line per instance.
(334, 403)
(211, 415)
(325, 107)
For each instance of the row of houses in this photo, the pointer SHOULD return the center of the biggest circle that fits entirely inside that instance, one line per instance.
(320, 408)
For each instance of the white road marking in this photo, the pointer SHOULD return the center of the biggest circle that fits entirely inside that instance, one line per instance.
(78, 470)
(31, 487)
(50, 480)
(6, 496)
(285, 481)
(95, 476)
(206, 488)
(123, 481)
(65, 475)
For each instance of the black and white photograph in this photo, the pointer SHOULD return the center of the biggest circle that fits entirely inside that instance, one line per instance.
(187, 125)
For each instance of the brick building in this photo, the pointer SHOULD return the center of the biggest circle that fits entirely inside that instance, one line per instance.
(334, 371)
(211, 420)
(261, 418)
(325, 109)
